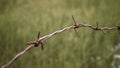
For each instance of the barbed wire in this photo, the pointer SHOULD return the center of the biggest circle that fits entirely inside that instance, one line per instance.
(40, 40)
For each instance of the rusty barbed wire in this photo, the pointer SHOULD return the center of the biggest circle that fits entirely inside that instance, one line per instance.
(40, 40)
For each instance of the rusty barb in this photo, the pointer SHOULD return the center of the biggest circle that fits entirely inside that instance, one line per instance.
(36, 42)
(97, 28)
(76, 26)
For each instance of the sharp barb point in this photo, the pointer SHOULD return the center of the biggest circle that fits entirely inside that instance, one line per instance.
(42, 46)
(38, 35)
(74, 20)
(103, 32)
(97, 24)
(77, 32)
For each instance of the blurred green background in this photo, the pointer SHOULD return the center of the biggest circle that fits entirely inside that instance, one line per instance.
(21, 20)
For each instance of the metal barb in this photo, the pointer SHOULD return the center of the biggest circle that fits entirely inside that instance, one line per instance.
(76, 26)
(37, 42)
(40, 41)
(95, 29)
(97, 24)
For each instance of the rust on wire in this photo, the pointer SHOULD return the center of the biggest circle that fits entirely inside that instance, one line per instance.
(118, 28)
(37, 42)
(97, 28)
(40, 40)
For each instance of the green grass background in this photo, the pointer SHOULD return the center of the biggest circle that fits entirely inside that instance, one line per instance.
(21, 20)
